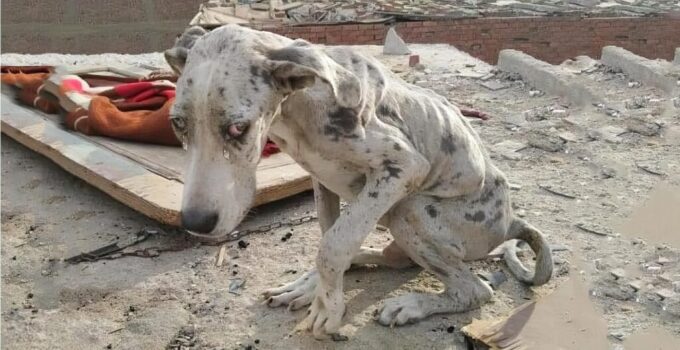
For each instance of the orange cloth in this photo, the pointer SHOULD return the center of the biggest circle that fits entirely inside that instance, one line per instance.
(105, 119)
(29, 85)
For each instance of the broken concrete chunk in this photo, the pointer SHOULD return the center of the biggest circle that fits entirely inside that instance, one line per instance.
(568, 136)
(643, 127)
(394, 45)
(665, 293)
(637, 285)
(608, 133)
(618, 273)
(546, 142)
(494, 85)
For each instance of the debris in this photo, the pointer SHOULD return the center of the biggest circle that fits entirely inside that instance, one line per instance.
(634, 84)
(286, 237)
(535, 93)
(663, 260)
(594, 229)
(220, 255)
(621, 293)
(665, 293)
(413, 60)
(647, 169)
(243, 244)
(643, 127)
(450, 329)
(568, 136)
(514, 187)
(636, 285)
(521, 213)
(546, 141)
(235, 285)
(509, 149)
(494, 85)
(607, 133)
(637, 102)
(550, 189)
(395, 45)
(618, 273)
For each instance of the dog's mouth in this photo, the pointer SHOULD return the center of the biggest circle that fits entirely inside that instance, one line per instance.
(207, 237)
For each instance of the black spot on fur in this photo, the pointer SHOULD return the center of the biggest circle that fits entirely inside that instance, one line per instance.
(387, 111)
(498, 182)
(355, 60)
(392, 170)
(370, 67)
(448, 145)
(498, 203)
(226, 74)
(494, 219)
(477, 217)
(190, 81)
(457, 175)
(373, 194)
(249, 102)
(381, 82)
(221, 91)
(431, 211)
(254, 84)
(342, 123)
(264, 75)
(397, 147)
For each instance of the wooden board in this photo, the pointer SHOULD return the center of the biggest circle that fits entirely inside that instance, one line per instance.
(125, 179)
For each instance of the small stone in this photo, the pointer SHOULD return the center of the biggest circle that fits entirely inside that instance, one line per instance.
(665, 293)
(636, 285)
(634, 84)
(535, 93)
(494, 85)
(663, 260)
(243, 244)
(450, 329)
(546, 142)
(618, 273)
(664, 277)
(653, 269)
(559, 112)
(521, 213)
(515, 187)
(639, 241)
(568, 136)
(414, 61)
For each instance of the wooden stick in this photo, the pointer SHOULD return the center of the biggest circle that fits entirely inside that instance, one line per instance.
(220, 255)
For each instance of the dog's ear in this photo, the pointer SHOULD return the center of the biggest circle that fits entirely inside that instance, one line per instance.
(177, 55)
(297, 66)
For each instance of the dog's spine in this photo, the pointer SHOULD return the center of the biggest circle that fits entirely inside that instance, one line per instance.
(520, 229)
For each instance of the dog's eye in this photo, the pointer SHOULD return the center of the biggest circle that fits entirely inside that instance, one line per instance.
(236, 130)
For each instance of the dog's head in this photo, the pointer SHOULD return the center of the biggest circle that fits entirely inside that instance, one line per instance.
(231, 86)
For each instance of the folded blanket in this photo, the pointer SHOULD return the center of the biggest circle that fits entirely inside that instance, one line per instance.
(103, 118)
(30, 83)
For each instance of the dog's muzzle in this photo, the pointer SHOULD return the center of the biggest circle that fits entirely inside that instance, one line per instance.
(199, 221)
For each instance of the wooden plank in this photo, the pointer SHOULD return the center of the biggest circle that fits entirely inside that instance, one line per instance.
(127, 180)
(117, 176)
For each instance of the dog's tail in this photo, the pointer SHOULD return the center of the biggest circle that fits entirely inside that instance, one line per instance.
(520, 229)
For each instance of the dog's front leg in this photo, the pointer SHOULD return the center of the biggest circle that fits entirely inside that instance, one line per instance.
(327, 205)
(388, 183)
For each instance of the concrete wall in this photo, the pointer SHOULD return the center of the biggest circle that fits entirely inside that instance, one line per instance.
(93, 26)
(134, 26)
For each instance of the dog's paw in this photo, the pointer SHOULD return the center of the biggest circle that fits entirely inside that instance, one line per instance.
(296, 295)
(325, 315)
(401, 310)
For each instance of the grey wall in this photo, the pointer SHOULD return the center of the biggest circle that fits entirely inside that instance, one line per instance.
(93, 26)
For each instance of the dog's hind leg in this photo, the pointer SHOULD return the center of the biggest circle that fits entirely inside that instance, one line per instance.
(428, 241)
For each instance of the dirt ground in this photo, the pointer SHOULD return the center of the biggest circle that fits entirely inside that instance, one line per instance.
(183, 298)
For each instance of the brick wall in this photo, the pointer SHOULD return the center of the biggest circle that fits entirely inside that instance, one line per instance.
(552, 39)
(134, 26)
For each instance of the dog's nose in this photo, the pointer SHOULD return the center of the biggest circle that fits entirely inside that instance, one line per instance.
(199, 221)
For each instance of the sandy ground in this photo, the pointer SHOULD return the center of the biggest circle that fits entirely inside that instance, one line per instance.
(150, 303)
